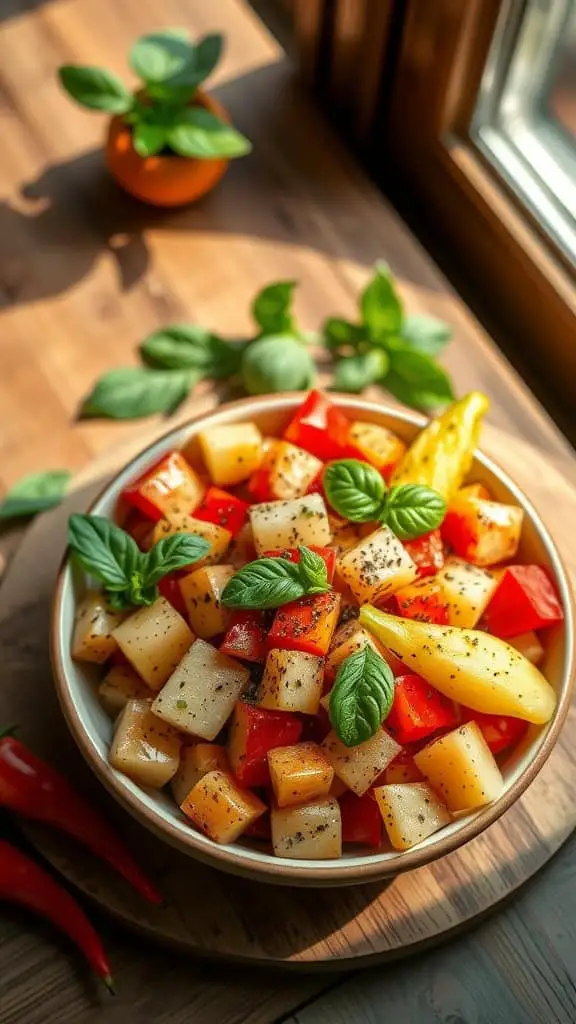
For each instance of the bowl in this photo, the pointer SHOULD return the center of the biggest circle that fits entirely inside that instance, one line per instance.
(92, 728)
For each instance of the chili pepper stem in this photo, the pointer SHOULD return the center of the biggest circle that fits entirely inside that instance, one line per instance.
(109, 982)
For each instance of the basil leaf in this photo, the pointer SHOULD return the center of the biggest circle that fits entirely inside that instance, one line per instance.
(338, 333)
(104, 550)
(354, 489)
(277, 363)
(272, 308)
(425, 334)
(361, 697)
(202, 135)
(189, 346)
(412, 509)
(313, 571)
(36, 492)
(171, 553)
(380, 305)
(161, 55)
(354, 373)
(96, 88)
(265, 583)
(133, 392)
(207, 53)
(149, 139)
(415, 379)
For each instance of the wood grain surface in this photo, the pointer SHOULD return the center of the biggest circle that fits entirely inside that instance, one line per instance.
(85, 273)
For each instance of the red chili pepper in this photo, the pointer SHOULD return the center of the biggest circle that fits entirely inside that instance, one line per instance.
(246, 636)
(26, 883)
(293, 555)
(34, 789)
(320, 428)
(499, 731)
(361, 819)
(306, 625)
(223, 509)
(418, 710)
(427, 552)
(253, 732)
(524, 600)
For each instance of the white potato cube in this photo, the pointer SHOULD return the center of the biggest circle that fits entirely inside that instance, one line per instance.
(467, 590)
(219, 807)
(231, 453)
(411, 812)
(359, 767)
(217, 537)
(154, 639)
(202, 590)
(290, 524)
(309, 832)
(195, 762)
(376, 567)
(241, 548)
(143, 747)
(292, 681)
(120, 685)
(94, 626)
(289, 470)
(461, 768)
(350, 638)
(201, 693)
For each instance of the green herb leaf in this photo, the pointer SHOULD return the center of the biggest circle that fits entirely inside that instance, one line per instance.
(277, 363)
(172, 553)
(202, 135)
(412, 509)
(415, 379)
(35, 493)
(104, 550)
(354, 373)
(361, 697)
(191, 347)
(338, 334)
(313, 571)
(425, 334)
(149, 139)
(355, 490)
(264, 583)
(133, 392)
(380, 304)
(95, 88)
(207, 53)
(272, 309)
(161, 56)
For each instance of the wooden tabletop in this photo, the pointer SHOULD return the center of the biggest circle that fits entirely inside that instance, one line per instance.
(85, 273)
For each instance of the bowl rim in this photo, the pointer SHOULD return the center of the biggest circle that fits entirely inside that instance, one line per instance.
(327, 872)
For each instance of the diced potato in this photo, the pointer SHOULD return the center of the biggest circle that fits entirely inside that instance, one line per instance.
(529, 645)
(201, 693)
(290, 524)
(474, 491)
(353, 637)
(202, 590)
(173, 487)
(292, 681)
(220, 808)
(120, 685)
(154, 639)
(231, 453)
(377, 567)
(467, 589)
(286, 471)
(217, 537)
(411, 812)
(461, 768)
(241, 548)
(402, 769)
(299, 773)
(309, 832)
(195, 762)
(379, 446)
(360, 766)
(345, 535)
(143, 747)
(94, 626)
(482, 532)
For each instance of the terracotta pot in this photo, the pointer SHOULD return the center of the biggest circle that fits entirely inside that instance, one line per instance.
(163, 180)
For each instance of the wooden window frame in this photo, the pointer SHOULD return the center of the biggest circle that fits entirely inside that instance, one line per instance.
(441, 55)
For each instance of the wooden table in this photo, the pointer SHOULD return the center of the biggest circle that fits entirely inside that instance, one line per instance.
(84, 274)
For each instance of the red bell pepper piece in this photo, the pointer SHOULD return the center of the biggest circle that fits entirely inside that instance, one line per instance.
(306, 625)
(26, 883)
(320, 428)
(524, 600)
(427, 552)
(246, 636)
(293, 555)
(418, 710)
(171, 485)
(315, 728)
(34, 789)
(223, 509)
(260, 829)
(253, 732)
(500, 731)
(361, 819)
(138, 526)
(170, 589)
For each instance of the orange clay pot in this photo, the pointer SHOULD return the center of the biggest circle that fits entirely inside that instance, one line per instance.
(163, 180)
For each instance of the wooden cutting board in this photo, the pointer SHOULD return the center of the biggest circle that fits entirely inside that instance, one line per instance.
(215, 914)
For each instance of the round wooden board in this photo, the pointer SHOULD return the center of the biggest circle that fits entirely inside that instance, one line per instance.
(215, 914)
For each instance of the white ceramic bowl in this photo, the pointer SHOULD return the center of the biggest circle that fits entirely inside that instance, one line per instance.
(92, 728)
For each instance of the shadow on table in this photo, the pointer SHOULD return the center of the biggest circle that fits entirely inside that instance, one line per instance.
(313, 197)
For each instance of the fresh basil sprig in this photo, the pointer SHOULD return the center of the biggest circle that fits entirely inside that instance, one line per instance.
(272, 582)
(129, 576)
(357, 491)
(361, 697)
